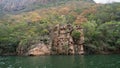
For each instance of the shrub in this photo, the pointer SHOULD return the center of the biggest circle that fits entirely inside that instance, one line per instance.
(76, 35)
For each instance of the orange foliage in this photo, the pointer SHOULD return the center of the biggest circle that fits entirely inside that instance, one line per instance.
(64, 10)
(81, 18)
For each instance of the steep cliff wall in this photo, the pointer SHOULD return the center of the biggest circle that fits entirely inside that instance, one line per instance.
(67, 40)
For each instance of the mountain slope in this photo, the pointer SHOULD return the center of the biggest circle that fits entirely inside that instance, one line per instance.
(20, 4)
(27, 5)
(68, 8)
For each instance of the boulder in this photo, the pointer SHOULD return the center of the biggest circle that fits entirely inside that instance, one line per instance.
(38, 50)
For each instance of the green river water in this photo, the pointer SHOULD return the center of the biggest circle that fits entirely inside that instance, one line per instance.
(87, 61)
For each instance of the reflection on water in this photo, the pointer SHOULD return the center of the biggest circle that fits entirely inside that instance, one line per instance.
(90, 61)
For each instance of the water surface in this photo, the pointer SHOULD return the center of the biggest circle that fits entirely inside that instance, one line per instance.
(88, 61)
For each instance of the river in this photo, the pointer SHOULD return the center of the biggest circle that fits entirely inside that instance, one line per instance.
(87, 61)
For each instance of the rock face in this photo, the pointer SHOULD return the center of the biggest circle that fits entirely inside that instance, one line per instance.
(63, 42)
(17, 5)
(38, 50)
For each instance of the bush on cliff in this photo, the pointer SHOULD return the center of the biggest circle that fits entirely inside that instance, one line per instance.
(76, 35)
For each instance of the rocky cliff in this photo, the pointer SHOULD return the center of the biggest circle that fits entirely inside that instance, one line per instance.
(17, 5)
(65, 40)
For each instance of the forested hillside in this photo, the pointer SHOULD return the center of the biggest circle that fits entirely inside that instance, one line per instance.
(18, 6)
(24, 23)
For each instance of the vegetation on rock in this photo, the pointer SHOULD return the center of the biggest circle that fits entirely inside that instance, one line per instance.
(101, 23)
(76, 35)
